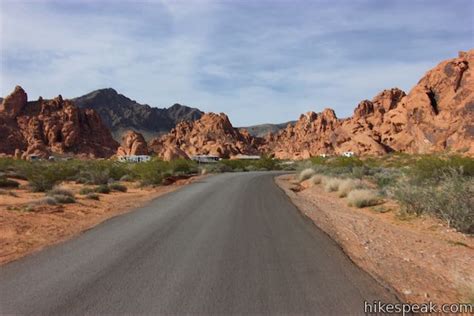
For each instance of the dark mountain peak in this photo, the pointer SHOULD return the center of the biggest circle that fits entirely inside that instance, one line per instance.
(121, 113)
(176, 106)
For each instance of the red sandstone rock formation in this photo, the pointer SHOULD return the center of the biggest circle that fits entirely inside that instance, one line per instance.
(47, 127)
(436, 115)
(133, 143)
(212, 134)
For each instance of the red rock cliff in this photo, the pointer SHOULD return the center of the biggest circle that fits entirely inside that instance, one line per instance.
(212, 134)
(436, 115)
(54, 126)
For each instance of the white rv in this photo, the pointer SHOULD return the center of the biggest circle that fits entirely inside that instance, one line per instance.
(205, 158)
(134, 158)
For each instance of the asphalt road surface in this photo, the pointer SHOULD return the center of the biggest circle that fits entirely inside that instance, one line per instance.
(228, 244)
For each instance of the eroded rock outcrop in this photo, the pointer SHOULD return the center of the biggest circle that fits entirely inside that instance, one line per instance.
(133, 143)
(56, 126)
(436, 115)
(212, 134)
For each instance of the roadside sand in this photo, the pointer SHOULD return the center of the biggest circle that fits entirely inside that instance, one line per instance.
(23, 232)
(420, 258)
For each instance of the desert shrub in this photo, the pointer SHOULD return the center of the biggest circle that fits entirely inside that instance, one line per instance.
(60, 191)
(360, 171)
(63, 199)
(433, 167)
(345, 162)
(118, 187)
(6, 163)
(15, 175)
(92, 196)
(7, 183)
(266, 163)
(234, 164)
(8, 192)
(317, 179)
(306, 174)
(217, 168)
(103, 189)
(288, 167)
(251, 168)
(126, 178)
(86, 190)
(451, 199)
(150, 172)
(62, 195)
(182, 166)
(47, 200)
(348, 185)
(41, 177)
(332, 184)
(386, 177)
(318, 160)
(96, 175)
(362, 198)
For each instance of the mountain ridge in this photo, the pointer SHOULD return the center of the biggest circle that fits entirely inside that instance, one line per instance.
(120, 113)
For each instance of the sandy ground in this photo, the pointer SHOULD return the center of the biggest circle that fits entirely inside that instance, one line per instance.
(420, 258)
(23, 232)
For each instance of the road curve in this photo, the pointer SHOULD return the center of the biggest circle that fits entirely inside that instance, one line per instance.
(228, 244)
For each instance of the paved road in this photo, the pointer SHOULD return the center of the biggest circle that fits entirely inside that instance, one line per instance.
(229, 244)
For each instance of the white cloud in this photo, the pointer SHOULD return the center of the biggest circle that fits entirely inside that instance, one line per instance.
(256, 61)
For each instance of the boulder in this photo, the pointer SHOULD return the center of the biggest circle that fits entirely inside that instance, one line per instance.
(212, 134)
(133, 143)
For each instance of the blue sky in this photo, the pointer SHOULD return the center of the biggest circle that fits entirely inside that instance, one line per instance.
(257, 61)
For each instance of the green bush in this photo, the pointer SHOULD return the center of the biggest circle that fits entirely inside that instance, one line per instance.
(41, 177)
(318, 160)
(433, 168)
(150, 172)
(267, 163)
(450, 198)
(126, 178)
(7, 183)
(345, 162)
(103, 188)
(182, 166)
(118, 187)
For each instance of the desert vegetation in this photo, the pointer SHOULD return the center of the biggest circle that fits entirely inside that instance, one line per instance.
(436, 185)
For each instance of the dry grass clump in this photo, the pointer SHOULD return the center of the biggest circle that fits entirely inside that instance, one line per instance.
(362, 198)
(93, 196)
(317, 179)
(47, 200)
(62, 195)
(332, 184)
(306, 174)
(118, 187)
(348, 185)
